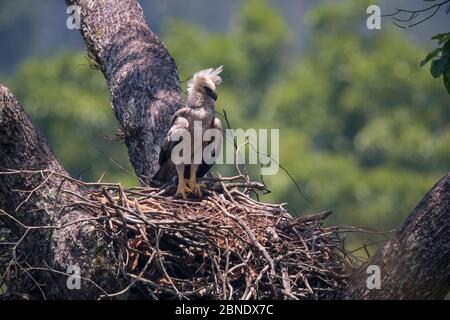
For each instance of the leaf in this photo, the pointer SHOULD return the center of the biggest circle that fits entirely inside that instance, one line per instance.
(447, 80)
(447, 46)
(430, 56)
(439, 66)
(442, 37)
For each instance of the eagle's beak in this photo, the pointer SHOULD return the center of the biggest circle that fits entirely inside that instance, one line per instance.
(211, 94)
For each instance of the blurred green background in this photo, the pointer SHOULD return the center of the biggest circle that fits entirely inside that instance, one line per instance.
(364, 130)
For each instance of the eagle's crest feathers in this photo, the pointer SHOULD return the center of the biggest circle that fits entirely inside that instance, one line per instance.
(201, 78)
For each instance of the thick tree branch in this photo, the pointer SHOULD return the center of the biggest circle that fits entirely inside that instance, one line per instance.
(141, 75)
(44, 200)
(415, 263)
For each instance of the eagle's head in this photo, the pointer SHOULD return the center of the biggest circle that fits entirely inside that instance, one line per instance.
(202, 86)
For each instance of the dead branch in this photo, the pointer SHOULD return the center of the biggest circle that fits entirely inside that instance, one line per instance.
(408, 18)
(180, 249)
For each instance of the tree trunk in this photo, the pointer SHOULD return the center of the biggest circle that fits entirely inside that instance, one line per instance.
(415, 262)
(141, 75)
(32, 199)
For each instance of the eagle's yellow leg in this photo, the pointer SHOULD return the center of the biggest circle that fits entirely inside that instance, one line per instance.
(193, 185)
(182, 187)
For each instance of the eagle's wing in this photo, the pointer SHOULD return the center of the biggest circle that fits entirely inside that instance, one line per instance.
(204, 167)
(166, 167)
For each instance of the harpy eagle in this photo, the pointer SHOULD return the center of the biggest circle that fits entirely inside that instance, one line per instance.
(200, 109)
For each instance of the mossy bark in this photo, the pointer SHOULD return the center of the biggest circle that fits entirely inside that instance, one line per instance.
(23, 147)
(415, 262)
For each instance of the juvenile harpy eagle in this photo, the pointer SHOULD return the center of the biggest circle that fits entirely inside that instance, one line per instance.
(201, 104)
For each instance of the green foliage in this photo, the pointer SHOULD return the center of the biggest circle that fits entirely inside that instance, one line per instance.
(70, 103)
(252, 53)
(363, 129)
(376, 123)
(440, 59)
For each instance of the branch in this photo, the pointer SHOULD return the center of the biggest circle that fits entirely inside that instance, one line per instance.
(141, 75)
(415, 262)
(30, 202)
(415, 17)
(228, 246)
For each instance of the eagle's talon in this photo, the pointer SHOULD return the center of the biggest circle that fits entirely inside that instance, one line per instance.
(182, 190)
(196, 188)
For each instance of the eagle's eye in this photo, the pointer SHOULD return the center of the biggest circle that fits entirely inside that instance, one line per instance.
(210, 93)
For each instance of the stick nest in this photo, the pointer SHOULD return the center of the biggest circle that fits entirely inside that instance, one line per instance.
(225, 246)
